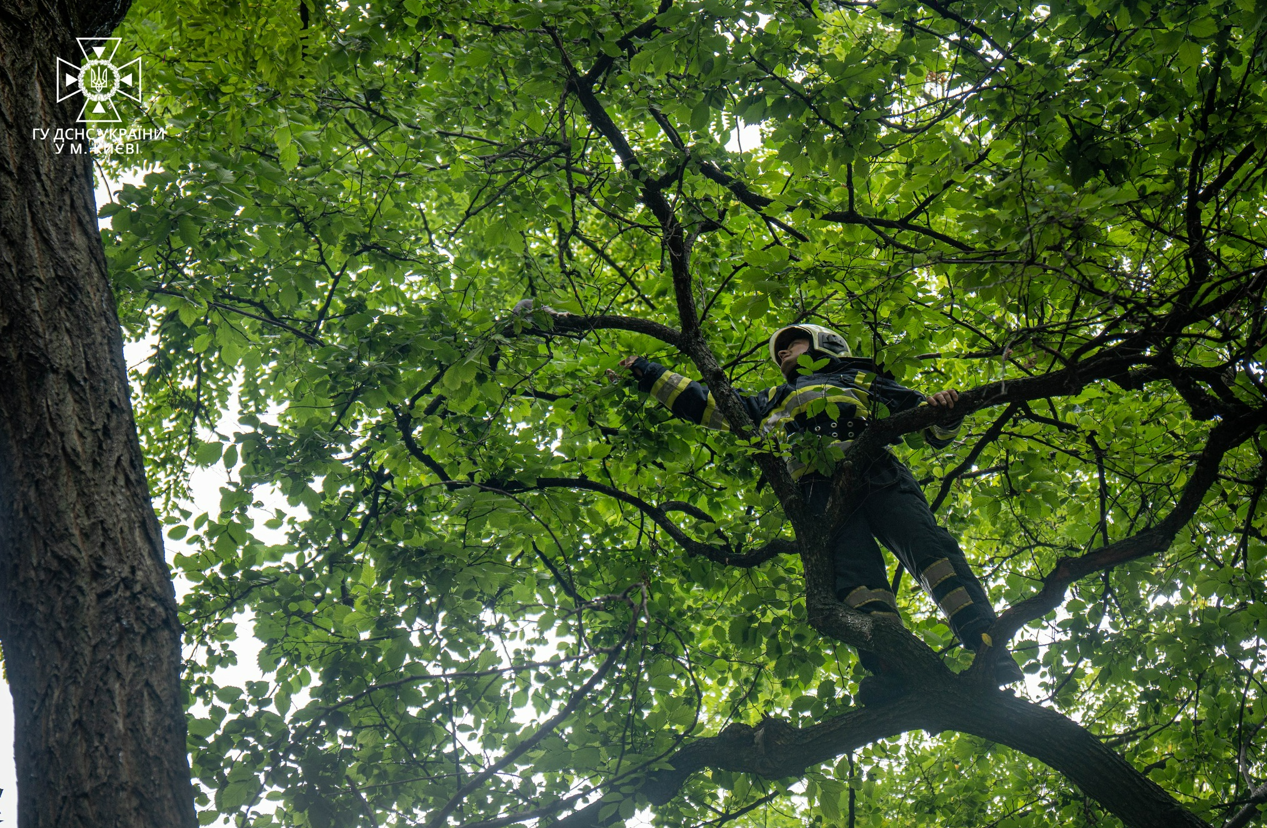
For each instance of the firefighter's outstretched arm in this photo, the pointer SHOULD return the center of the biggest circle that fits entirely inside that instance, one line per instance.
(897, 398)
(686, 398)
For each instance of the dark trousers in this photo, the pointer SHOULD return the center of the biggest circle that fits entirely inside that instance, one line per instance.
(894, 512)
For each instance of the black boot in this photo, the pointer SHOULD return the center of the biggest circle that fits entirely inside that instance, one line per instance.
(1006, 670)
(882, 688)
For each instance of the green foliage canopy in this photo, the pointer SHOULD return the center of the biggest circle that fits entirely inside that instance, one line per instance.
(503, 588)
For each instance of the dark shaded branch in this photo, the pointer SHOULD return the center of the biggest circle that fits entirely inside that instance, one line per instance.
(725, 554)
(1035, 417)
(747, 197)
(626, 44)
(776, 750)
(1151, 541)
(962, 21)
(276, 323)
(1246, 814)
(691, 338)
(1103, 488)
(759, 203)
(564, 583)
(404, 421)
(1212, 189)
(582, 324)
(525, 816)
(652, 196)
(950, 181)
(853, 217)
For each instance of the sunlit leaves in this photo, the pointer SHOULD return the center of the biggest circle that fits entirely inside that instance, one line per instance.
(345, 215)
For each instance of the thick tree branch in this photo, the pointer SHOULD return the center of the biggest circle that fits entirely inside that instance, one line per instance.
(585, 323)
(692, 341)
(871, 222)
(776, 750)
(627, 44)
(674, 238)
(1212, 189)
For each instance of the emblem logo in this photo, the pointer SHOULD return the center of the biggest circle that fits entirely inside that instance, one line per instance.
(98, 79)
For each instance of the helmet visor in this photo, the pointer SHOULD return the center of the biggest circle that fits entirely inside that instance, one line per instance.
(784, 337)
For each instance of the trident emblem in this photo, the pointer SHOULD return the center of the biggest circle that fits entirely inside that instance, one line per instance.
(98, 79)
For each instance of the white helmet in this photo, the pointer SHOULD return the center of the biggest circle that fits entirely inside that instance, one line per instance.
(823, 340)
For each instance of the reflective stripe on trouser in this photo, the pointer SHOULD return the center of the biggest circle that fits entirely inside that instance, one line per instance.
(895, 513)
(879, 601)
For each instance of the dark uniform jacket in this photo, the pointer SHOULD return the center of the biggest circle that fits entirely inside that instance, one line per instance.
(835, 402)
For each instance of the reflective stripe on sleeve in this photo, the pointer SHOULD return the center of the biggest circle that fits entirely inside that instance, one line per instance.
(712, 417)
(657, 388)
(667, 388)
(680, 384)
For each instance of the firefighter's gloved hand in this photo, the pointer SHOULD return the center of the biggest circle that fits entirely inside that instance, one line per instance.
(525, 306)
(627, 363)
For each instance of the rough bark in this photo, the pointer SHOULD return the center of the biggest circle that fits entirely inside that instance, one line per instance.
(777, 750)
(1061, 743)
(87, 609)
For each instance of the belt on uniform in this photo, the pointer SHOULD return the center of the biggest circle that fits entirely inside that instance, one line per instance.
(840, 430)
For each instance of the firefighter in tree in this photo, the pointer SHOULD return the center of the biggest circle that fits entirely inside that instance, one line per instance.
(835, 401)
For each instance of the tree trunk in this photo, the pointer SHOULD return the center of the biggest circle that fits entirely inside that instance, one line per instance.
(87, 609)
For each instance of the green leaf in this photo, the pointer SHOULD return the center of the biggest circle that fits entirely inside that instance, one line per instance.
(700, 116)
(189, 313)
(207, 453)
(188, 230)
(202, 727)
(288, 156)
(1190, 54)
(478, 55)
(467, 496)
